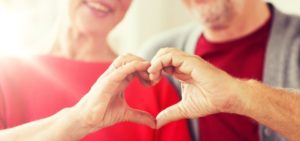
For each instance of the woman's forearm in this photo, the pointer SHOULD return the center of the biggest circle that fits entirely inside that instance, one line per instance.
(62, 126)
(103, 106)
(278, 109)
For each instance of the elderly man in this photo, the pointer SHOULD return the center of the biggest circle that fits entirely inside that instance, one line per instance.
(248, 39)
(207, 90)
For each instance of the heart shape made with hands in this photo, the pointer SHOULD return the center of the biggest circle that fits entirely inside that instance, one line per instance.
(173, 112)
(119, 75)
(143, 117)
(115, 81)
(163, 84)
(201, 95)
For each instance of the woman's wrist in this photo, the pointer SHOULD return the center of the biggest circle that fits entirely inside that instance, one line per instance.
(69, 123)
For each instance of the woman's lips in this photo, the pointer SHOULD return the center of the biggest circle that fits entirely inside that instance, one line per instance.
(98, 6)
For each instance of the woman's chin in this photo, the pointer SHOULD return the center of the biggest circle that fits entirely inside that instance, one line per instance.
(92, 31)
(91, 22)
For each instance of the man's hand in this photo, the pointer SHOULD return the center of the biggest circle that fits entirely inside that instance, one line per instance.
(205, 89)
(105, 105)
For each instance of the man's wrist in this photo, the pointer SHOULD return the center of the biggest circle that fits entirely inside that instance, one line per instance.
(247, 97)
(239, 94)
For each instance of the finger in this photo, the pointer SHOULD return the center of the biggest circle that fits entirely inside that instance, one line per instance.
(168, 115)
(141, 117)
(166, 50)
(144, 78)
(176, 63)
(155, 71)
(124, 59)
(166, 58)
(169, 63)
(119, 77)
(129, 69)
(157, 66)
(120, 61)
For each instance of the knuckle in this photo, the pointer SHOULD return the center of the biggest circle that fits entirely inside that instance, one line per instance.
(135, 62)
(193, 58)
(167, 51)
(122, 56)
(128, 55)
(125, 56)
(171, 49)
(164, 50)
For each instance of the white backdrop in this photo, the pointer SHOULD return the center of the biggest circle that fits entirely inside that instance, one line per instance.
(145, 19)
(29, 20)
(289, 6)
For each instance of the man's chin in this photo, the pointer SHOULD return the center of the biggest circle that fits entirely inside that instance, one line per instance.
(214, 25)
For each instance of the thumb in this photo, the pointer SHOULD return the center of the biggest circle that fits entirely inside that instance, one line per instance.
(170, 114)
(141, 117)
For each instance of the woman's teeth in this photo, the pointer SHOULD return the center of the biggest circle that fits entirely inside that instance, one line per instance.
(98, 6)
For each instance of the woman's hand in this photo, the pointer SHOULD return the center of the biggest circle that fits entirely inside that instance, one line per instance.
(105, 105)
(102, 106)
(205, 89)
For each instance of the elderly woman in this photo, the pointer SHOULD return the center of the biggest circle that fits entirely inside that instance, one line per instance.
(48, 97)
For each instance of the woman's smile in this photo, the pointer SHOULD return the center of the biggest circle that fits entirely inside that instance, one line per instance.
(98, 7)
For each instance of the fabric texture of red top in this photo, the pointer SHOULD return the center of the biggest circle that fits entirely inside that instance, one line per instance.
(242, 58)
(36, 87)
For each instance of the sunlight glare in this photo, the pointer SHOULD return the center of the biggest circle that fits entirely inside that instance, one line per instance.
(12, 31)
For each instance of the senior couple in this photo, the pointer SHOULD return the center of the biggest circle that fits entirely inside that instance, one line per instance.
(219, 66)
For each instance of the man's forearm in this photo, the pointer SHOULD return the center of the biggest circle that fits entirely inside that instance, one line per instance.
(278, 109)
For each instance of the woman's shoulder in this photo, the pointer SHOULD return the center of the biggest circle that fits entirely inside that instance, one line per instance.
(7, 62)
(15, 61)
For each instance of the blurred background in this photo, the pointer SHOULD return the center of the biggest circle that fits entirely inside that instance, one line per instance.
(25, 23)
